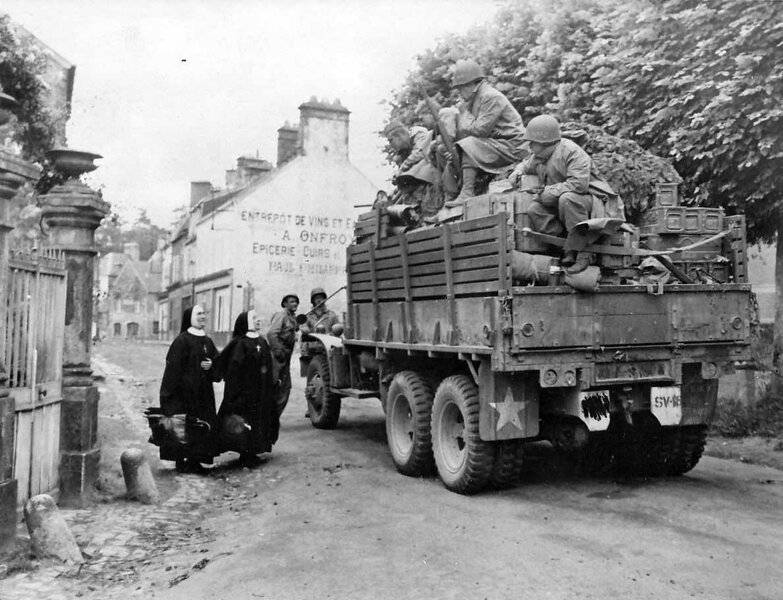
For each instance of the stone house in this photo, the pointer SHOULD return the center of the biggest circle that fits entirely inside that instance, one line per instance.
(270, 231)
(127, 294)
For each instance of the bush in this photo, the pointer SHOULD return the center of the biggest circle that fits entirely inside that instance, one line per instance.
(764, 418)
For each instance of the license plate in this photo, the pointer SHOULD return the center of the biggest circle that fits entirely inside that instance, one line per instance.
(594, 409)
(666, 404)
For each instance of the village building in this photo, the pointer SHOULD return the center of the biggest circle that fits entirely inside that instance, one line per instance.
(271, 231)
(127, 291)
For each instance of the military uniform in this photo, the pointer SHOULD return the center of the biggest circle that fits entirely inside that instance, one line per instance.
(490, 130)
(282, 338)
(567, 177)
(318, 319)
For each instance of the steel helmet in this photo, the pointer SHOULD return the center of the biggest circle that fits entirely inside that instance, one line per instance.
(466, 71)
(316, 291)
(286, 297)
(543, 129)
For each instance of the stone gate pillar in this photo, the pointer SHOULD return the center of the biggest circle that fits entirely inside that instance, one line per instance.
(13, 173)
(71, 213)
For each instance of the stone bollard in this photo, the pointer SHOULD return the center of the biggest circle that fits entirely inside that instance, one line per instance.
(49, 533)
(138, 477)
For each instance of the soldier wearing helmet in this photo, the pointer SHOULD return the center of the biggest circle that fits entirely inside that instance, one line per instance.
(416, 175)
(282, 338)
(566, 175)
(320, 319)
(489, 128)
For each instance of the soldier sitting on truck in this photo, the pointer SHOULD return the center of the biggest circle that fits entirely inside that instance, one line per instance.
(416, 178)
(489, 128)
(570, 187)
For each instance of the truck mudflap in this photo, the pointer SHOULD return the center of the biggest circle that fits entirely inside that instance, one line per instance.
(509, 404)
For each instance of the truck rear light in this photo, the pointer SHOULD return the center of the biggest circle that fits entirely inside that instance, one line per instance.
(550, 377)
(737, 323)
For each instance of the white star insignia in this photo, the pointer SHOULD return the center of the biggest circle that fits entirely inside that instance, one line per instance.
(508, 411)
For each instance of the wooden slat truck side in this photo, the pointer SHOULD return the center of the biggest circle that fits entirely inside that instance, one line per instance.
(470, 366)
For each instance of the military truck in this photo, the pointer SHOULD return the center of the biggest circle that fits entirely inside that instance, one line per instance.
(474, 354)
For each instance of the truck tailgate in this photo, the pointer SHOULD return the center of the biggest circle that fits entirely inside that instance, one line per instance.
(545, 317)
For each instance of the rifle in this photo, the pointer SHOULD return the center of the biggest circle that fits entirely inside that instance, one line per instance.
(444, 135)
(302, 319)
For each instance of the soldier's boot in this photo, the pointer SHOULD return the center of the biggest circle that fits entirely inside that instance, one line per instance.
(468, 187)
(569, 258)
(581, 263)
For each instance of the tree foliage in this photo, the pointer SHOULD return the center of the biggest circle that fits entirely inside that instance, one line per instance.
(20, 67)
(693, 80)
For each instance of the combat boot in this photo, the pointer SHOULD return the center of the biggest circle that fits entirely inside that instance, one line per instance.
(580, 264)
(468, 188)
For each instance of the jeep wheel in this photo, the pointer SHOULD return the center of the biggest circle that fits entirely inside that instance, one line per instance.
(408, 414)
(323, 405)
(463, 460)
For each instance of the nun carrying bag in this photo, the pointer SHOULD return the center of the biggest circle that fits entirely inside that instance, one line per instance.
(175, 430)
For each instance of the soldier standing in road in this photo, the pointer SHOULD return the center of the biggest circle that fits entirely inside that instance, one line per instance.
(489, 129)
(570, 186)
(282, 337)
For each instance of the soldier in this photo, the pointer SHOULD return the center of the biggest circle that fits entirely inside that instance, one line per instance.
(566, 174)
(415, 176)
(282, 337)
(489, 129)
(320, 319)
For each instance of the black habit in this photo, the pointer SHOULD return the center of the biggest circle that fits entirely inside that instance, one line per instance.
(186, 389)
(246, 363)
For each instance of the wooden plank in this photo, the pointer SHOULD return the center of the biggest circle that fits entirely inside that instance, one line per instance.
(390, 284)
(460, 236)
(411, 334)
(435, 256)
(465, 264)
(22, 454)
(375, 299)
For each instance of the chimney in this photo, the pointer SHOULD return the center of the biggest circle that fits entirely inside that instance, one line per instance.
(198, 191)
(287, 143)
(232, 179)
(131, 249)
(250, 168)
(323, 128)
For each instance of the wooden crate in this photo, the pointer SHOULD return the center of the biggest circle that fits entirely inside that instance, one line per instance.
(666, 194)
(682, 219)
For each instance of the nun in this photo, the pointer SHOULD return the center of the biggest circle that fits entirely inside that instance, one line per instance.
(186, 391)
(247, 414)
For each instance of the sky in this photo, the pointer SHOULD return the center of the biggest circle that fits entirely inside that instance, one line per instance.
(174, 91)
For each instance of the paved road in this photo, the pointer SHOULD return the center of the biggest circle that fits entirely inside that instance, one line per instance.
(333, 519)
(329, 517)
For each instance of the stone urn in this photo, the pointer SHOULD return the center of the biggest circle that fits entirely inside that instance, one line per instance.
(72, 163)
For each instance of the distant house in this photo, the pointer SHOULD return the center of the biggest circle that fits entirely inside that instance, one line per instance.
(271, 231)
(128, 287)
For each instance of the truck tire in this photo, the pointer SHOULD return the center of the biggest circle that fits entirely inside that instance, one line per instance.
(408, 416)
(323, 405)
(684, 447)
(463, 460)
(508, 464)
